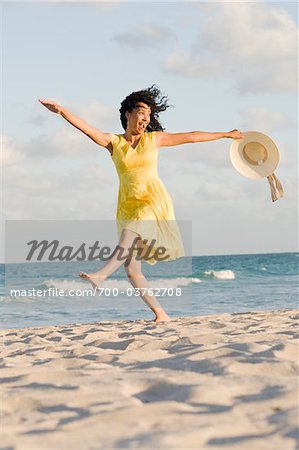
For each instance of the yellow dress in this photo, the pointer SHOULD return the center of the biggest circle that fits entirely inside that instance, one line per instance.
(144, 205)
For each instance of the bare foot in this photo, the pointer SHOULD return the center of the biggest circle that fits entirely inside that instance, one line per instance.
(95, 279)
(162, 318)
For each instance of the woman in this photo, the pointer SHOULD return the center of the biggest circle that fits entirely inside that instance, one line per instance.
(145, 210)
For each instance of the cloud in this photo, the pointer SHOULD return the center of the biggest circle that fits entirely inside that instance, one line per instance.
(220, 196)
(146, 36)
(66, 141)
(98, 3)
(95, 113)
(54, 175)
(36, 192)
(266, 121)
(11, 152)
(254, 44)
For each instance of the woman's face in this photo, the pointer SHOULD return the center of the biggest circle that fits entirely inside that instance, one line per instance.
(139, 118)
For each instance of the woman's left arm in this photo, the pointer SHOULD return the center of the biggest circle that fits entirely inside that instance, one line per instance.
(169, 139)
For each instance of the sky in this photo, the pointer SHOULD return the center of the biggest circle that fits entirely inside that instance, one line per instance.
(223, 65)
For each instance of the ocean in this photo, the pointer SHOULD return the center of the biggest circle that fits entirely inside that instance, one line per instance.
(195, 286)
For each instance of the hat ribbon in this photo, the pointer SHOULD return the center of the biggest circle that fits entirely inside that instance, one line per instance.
(275, 186)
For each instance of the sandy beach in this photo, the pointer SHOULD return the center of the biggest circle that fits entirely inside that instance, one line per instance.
(226, 381)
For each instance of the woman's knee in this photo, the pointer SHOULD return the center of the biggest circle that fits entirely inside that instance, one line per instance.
(129, 234)
(128, 237)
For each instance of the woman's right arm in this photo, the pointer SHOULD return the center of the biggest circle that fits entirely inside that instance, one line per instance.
(97, 136)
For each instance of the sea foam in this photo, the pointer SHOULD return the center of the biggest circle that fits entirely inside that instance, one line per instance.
(221, 274)
(120, 283)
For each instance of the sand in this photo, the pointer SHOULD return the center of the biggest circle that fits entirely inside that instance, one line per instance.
(226, 381)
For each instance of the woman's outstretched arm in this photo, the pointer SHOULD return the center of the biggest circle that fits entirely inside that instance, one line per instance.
(169, 139)
(97, 136)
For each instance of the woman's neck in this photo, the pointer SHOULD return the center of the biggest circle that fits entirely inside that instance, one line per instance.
(130, 137)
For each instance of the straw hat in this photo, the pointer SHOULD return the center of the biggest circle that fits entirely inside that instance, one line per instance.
(255, 155)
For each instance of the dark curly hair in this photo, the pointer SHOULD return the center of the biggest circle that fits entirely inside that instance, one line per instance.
(152, 98)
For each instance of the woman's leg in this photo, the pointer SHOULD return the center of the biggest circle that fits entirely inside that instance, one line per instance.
(138, 280)
(118, 258)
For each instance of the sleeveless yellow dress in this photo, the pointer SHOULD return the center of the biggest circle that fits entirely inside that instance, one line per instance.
(144, 205)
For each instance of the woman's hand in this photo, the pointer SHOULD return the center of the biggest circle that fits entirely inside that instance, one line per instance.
(235, 134)
(52, 106)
